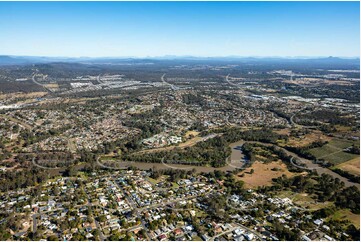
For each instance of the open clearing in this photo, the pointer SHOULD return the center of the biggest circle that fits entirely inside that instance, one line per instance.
(305, 200)
(190, 134)
(283, 131)
(346, 214)
(52, 85)
(308, 139)
(263, 174)
(351, 166)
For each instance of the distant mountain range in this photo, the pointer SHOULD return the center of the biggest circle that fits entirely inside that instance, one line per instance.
(26, 60)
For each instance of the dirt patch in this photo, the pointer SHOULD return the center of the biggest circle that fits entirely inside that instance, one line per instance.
(191, 134)
(283, 131)
(308, 139)
(263, 173)
(52, 85)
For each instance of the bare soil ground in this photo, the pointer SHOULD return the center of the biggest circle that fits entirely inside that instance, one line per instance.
(189, 134)
(52, 85)
(283, 131)
(308, 139)
(263, 174)
(351, 166)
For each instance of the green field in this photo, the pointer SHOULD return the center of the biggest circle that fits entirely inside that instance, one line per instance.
(333, 151)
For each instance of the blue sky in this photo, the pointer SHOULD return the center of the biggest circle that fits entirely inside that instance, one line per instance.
(180, 28)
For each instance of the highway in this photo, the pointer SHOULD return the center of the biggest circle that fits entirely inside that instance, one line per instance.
(98, 80)
(173, 87)
(293, 123)
(231, 83)
(43, 86)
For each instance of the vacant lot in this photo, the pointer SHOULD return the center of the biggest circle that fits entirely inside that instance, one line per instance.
(52, 85)
(283, 131)
(346, 214)
(190, 134)
(308, 139)
(351, 166)
(333, 151)
(263, 173)
(305, 200)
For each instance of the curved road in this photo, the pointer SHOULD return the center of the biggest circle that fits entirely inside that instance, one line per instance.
(43, 86)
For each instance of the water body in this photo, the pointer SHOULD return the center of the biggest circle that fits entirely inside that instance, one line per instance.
(237, 154)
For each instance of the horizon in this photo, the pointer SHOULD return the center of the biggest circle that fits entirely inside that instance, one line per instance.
(196, 29)
(180, 57)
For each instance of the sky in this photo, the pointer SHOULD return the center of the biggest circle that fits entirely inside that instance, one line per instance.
(142, 29)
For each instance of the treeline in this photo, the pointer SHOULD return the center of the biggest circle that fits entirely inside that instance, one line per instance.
(263, 135)
(349, 176)
(281, 114)
(57, 156)
(304, 150)
(174, 175)
(233, 134)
